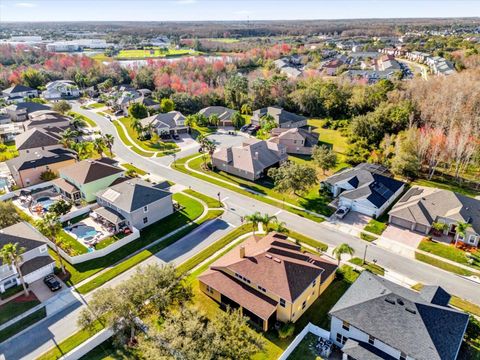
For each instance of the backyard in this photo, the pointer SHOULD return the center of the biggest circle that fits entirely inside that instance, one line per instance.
(8, 151)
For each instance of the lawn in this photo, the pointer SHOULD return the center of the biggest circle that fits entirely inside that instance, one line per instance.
(70, 245)
(153, 52)
(192, 209)
(134, 168)
(221, 40)
(96, 105)
(304, 351)
(375, 226)
(447, 185)
(106, 351)
(127, 142)
(9, 152)
(367, 237)
(329, 136)
(17, 306)
(442, 264)
(450, 252)
(201, 130)
(211, 202)
(22, 324)
(372, 267)
(89, 121)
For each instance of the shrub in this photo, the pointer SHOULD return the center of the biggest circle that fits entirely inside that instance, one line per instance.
(286, 330)
(60, 207)
(48, 175)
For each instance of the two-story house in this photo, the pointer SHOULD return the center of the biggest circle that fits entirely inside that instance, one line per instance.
(61, 89)
(282, 118)
(18, 93)
(250, 160)
(269, 278)
(135, 203)
(84, 179)
(36, 263)
(297, 140)
(378, 319)
(420, 207)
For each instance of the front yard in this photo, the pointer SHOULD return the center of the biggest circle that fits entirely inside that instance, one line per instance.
(450, 252)
(17, 306)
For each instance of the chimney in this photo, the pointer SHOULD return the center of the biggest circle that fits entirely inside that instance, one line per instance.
(242, 252)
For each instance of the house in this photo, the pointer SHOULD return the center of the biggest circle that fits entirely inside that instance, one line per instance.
(420, 207)
(269, 278)
(61, 89)
(290, 66)
(84, 179)
(36, 139)
(135, 203)
(378, 319)
(18, 93)
(27, 168)
(332, 66)
(9, 129)
(281, 117)
(366, 188)
(297, 140)
(172, 122)
(36, 263)
(21, 110)
(224, 114)
(47, 119)
(251, 159)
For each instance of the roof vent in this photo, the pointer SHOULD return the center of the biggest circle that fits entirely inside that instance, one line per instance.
(391, 301)
(277, 260)
(400, 302)
(410, 310)
(268, 256)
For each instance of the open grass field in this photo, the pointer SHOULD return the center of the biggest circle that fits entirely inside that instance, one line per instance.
(154, 52)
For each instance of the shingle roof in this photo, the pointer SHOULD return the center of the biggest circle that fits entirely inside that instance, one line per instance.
(223, 112)
(310, 138)
(16, 89)
(40, 158)
(402, 318)
(133, 194)
(424, 205)
(169, 120)
(361, 350)
(86, 171)
(22, 233)
(280, 115)
(35, 263)
(35, 138)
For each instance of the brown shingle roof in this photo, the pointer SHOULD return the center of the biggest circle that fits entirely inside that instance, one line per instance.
(87, 171)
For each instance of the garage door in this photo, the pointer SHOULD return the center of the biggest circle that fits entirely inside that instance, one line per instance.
(401, 222)
(38, 274)
(421, 228)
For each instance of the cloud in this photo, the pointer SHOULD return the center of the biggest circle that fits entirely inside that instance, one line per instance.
(25, 5)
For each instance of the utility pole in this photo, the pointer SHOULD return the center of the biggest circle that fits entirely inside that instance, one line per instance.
(365, 254)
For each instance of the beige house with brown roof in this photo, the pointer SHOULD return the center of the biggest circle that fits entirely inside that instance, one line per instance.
(269, 278)
(297, 140)
(251, 159)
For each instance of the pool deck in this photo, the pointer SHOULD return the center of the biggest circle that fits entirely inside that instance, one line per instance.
(92, 223)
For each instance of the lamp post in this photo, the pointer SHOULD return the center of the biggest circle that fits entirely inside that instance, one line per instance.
(219, 201)
(174, 158)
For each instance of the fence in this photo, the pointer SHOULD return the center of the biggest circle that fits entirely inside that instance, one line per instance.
(309, 328)
(88, 345)
(78, 212)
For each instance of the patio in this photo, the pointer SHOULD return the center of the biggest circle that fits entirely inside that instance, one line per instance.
(88, 232)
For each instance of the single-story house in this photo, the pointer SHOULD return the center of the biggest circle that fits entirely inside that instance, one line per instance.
(47, 119)
(135, 203)
(366, 188)
(18, 93)
(172, 122)
(36, 263)
(84, 179)
(269, 278)
(282, 118)
(420, 207)
(224, 114)
(21, 110)
(378, 319)
(27, 168)
(297, 140)
(61, 89)
(36, 139)
(251, 159)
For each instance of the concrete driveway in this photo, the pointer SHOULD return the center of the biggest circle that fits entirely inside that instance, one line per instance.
(41, 290)
(355, 219)
(404, 236)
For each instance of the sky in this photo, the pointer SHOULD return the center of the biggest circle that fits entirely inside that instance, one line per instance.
(187, 10)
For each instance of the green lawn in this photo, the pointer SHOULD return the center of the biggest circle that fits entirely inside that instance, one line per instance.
(106, 351)
(17, 306)
(9, 152)
(154, 52)
(11, 291)
(374, 268)
(134, 168)
(96, 105)
(70, 245)
(127, 142)
(211, 202)
(22, 324)
(442, 265)
(375, 226)
(89, 121)
(367, 237)
(450, 252)
(304, 350)
(192, 209)
(307, 240)
(329, 136)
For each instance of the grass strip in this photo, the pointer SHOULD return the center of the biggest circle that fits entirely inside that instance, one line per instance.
(374, 268)
(375, 227)
(13, 308)
(211, 202)
(89, 121)
(134, 168)
(308, 240)
(442, 264)
(367, 237)
(450, 252)
(22, 324)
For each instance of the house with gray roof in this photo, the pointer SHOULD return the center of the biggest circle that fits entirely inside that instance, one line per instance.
(224, 114)
(36, 262)
(18, 93)
(134, 202)
(378, 319)
(20, 110)
(36, 139)
(172, 122)
(366, 188)
(420, 207)
(297, 140)
(251, 159)
(282, 118)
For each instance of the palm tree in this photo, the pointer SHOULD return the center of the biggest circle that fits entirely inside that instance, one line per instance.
(11, 254)
(267, 220)
(190, 121)
(461, 229)
(254, 219)
(108, 140)
(211, 147)
(137, 126)
(82, 149)
(67, 137)
(279, 226)
(51, 227)
(99, 146)
(77, 122)
(213, 120)
(342, 249)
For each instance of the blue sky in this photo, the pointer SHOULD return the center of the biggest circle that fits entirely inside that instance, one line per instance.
(164, 10)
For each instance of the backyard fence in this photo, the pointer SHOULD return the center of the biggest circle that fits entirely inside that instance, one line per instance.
(73, 214)
(309, 328)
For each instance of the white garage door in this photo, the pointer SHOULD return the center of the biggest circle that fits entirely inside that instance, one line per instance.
(40, 273)
(362, 209)
(421, 228)
(401, 222)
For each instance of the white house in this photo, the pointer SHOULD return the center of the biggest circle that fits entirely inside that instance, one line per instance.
(36, 262)
(18, 93)
(61, 89)
(365, 189)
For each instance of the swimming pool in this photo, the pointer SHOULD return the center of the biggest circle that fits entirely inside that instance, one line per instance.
(45, 201)
(3, 182)
(83, 231)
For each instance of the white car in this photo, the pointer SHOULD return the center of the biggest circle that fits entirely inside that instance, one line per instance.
(341, 212)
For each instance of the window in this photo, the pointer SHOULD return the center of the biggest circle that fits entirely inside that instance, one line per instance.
(145, 208)
(403, 356)
(304, 304)
(43, 248)
(346, 326)
(341, 339)
(209, 289)
(314, 283)
(472, 239)
(282, 302)
(262, 288)
(371, 340)
(145, 220)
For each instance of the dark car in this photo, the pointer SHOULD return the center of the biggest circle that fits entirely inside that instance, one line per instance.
(244, 128)
(176, 137)
(253, 130)
(52, 283)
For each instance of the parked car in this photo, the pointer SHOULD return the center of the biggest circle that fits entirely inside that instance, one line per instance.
(176, 136)
(244, 128)
(341, 212)
(52, 283)
(253, 130)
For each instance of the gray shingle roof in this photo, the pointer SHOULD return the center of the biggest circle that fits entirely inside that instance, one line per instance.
(40, 158)
(22, 233)
(280, 115)
(364, 351)
(169, 120)
(16, 89)
(35, 138)
(224, 113)
(402, 318)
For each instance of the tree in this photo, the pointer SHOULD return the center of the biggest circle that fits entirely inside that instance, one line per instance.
(83, 149)
(62, 107)
(324, 157)
(406, 161)
(267, 219)
(246, 109)
(210, 147)
(138, 111)
(279, 226)
(238, 120)
(190, 120)
(236, 91)
(167, 105)
(60, 207)
(150, 292)
(254, 219)
(11, 254)
(293, 177)
(213, 120)
(341, 250)
(99, 146)
(108, 140)
(48, 175)
(461, 230)
(51, 227)
(33, 78)
(77, 122)
(67, 137)
(8, 214)
(137, 125)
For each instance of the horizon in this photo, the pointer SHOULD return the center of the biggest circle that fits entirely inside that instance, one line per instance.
(39, 11)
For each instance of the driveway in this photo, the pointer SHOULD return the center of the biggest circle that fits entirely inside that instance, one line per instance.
(355, 219)
(41, 290)
(404, 236)
(185, 142)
